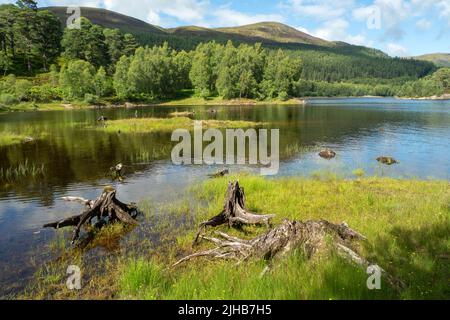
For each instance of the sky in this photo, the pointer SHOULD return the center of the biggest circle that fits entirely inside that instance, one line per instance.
(398, 27)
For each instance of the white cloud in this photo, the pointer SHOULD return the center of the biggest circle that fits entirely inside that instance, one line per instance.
(395, 12)
(396, 50)
(337, 30)
(444, 10)
(302, 29)
(423, 24)
(228, 17)
(319, 9)
(188, 11)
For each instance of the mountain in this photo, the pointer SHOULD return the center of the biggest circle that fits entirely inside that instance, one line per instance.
(109, 19)
(322, 60)
(268, 33)
(439, 59)
(274, 31)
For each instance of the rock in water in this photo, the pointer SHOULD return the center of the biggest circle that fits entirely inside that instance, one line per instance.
(387, 160)
(327, 154)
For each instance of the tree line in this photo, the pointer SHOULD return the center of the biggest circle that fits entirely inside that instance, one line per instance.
(32, 39)
(94, 63)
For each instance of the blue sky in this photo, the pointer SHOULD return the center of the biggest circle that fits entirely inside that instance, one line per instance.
(398, 27)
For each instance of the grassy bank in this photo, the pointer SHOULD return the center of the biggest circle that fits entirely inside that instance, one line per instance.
(10, 138)
(219, 101)
(188, 101)
(406, 223)
(148, 125)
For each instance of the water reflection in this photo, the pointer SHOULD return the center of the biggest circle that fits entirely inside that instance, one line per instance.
(77, 160)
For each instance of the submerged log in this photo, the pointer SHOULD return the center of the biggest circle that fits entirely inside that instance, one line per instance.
(234, 212)
(106, 209)
(311, 237)
(387, 160)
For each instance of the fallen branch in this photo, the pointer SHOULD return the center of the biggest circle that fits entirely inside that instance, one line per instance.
(106, 209)
(234, 212)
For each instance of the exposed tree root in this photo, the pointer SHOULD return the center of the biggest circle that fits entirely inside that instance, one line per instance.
(106, 209)
(309, 237)
(234, 212)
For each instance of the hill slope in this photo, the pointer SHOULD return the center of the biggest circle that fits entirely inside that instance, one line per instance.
(322, 60)
(439, 59)
(277, 32)
(109, 19)
(265, 32)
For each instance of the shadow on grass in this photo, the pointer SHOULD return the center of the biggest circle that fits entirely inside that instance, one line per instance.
(419, 257)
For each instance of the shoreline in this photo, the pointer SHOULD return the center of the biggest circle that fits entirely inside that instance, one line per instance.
(192, 102)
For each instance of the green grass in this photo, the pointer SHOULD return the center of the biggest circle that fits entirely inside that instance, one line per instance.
(50, 106)
(406, 223)
(219, 101)
(149, 125)
(10, 138)
(21, 171)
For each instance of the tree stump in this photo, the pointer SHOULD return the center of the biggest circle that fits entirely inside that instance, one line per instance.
(310, 237)
(107, 209)
(234, 212)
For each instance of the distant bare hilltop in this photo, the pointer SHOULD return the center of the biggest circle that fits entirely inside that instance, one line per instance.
(439, 59)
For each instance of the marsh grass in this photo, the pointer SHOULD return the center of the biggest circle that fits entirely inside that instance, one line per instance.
(296, 149)
(147, 156)
(22, 171)
(149, 125)
(406, 223)
(10, 138)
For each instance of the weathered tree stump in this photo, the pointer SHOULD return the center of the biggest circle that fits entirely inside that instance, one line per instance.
(310, 237)
(234, 212)
(117, 172)
(107, 209)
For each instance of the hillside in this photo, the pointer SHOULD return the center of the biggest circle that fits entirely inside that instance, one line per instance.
(277, 32)
(109, 19)
(187, 37)
(322, 60)
(439, 59)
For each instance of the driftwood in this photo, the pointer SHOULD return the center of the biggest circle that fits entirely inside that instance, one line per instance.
(220, 174)
(106, 209)
(310, 237)
(234, 212)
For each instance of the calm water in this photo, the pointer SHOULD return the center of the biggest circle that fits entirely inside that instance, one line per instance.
(76, 160)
